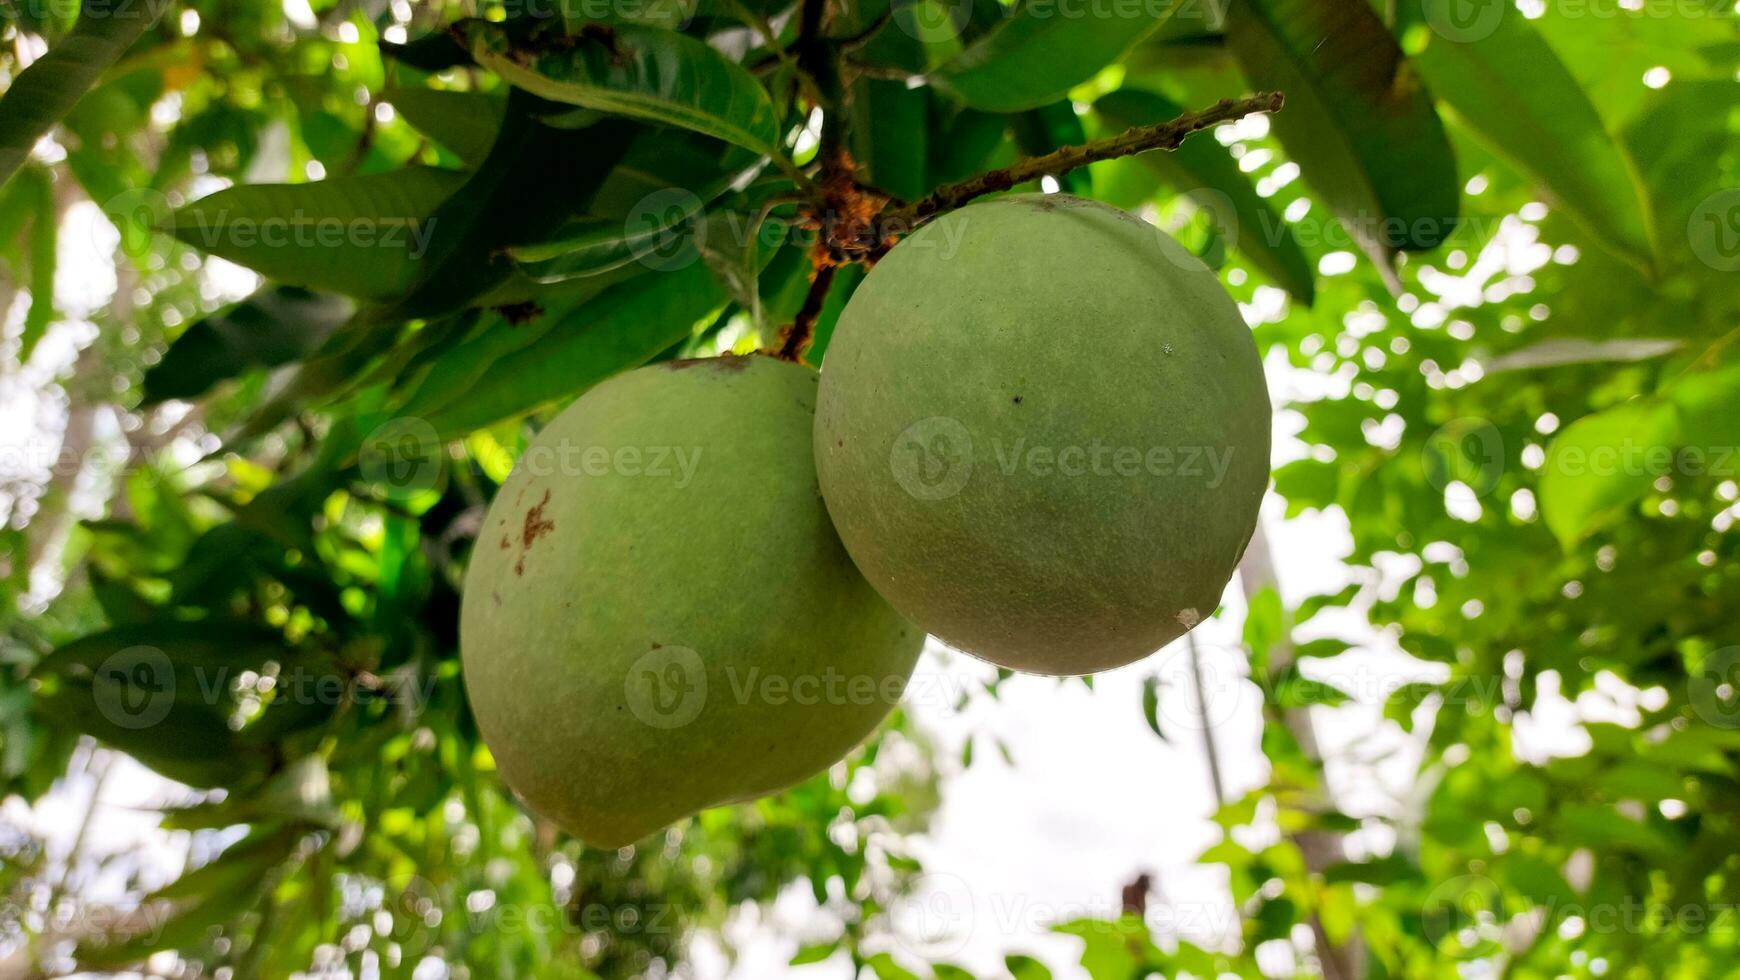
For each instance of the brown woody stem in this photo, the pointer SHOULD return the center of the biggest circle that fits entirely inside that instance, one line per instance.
(795, 339)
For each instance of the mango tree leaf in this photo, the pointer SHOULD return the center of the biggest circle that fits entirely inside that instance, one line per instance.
(276, 325)
(44, 237)
(1575, 350)
(643, 206)
(621, 329)
(1708, 403)
(644, 72)
(534, 178)
(45, 92)
(1203, 169)
(1358, 120)
(160, 692)
(1603, 462)
(361, 236)
(464, 122)
(890, 134)
(1037, 54)
(1510, 89)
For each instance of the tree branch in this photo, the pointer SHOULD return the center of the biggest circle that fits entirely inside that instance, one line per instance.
(1160, 136)
(796, 338)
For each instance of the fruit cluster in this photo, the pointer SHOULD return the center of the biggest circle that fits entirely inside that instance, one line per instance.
(1042, 436)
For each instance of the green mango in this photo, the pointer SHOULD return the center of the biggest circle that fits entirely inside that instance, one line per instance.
(658, 616)
(1043, 433)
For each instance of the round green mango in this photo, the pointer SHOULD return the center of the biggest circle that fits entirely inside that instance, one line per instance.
(1043, 433)
(658, 616)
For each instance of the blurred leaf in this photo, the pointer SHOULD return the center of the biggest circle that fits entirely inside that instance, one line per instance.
(464, 122)
(274, 326)
(1203, 170)
(43, 93)
(1509, 87)
(1151, 705)
(1037, 54)
(1560, 351)
(1358, 120)
(1603, 462)
(814, 953)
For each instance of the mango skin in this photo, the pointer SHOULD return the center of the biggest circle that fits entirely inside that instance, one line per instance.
(1032, 328)
(639, 645)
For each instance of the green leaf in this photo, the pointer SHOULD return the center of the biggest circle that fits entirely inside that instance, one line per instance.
(1205, 171)
(1265, 626)
(44, 236)
(42, 94)
(464, 122)
(1709, 413)
(644, 72)
(1037, 54)
(534, 178)
(1151, 705)
(1560, 351)
(1509, 88)
(1358, 120)
(1602, 462)
(623, 328)
(814, 953)
(160, 692)
(883, 965)
(1023, 967)
(890, 134)
(359, 236)
(276, 325)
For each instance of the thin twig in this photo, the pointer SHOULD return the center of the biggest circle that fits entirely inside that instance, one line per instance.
(795, 339)
(1160, 136)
